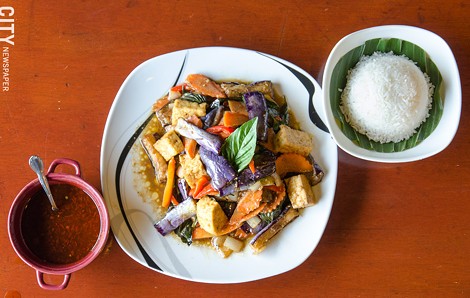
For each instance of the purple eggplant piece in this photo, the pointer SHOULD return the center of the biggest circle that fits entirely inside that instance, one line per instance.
(207, 140)
(256, 107)
(246, 227)
(183, 189)
(265, 87)
(218, 168)
(213, 117)
(261, 239)
(158, 162)
(249, 230)
(317, 173)
(265, 165)
(176, 216)
(228, 188)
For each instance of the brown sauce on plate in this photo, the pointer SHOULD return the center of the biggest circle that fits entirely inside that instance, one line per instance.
(64, 236)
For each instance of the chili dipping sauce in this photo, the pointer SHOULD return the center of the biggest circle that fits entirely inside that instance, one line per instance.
(64, 236)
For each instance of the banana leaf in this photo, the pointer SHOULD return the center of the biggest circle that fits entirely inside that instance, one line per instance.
(398, 47)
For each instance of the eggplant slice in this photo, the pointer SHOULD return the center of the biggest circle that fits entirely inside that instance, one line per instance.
(158, 162)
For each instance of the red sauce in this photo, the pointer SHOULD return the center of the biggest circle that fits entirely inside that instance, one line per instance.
(64, 236)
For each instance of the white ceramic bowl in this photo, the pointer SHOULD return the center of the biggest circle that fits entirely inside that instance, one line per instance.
(440, 53)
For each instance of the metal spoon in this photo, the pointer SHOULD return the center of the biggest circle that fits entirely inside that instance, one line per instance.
(35, 162)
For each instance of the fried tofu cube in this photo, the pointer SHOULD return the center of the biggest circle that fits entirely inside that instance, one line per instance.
(169, 145)
(185, 109)
(193, 168)
(210, 215)
(289, 140)
(300, 192)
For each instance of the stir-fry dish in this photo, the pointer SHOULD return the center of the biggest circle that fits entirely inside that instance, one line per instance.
(234, 166)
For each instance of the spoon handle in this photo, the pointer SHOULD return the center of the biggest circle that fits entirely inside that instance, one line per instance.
(45, 185)
(37, 165)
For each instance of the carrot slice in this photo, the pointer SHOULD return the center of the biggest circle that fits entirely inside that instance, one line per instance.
(174, 201)
(193, 119)
(207, 190)
(168, 191)
(222, 131)
(292, 162)
(240, 234)
(249, 202)
(177, 88)
(242, 218)
(251, 165)
(200, 184)
(159, 104)
(281, 194)
(237, 107)
(229, 228)
(190, 146)
(233, 119)
(205, 86)
(200, 233)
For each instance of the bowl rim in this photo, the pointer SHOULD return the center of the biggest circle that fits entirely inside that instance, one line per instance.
(450, 89)
(15, 216)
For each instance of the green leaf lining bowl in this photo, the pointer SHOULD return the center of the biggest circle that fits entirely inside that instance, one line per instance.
(432, 55)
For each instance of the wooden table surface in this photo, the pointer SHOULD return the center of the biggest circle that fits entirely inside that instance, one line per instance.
(395, 230)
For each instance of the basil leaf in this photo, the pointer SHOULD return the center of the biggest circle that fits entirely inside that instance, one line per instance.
(194, 97)
(185, 231)
(240, 146)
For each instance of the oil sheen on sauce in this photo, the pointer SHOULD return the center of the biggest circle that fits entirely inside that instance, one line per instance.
(64, 236)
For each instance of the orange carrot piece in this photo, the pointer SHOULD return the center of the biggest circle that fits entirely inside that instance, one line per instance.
(223, 131)
(205, 86)
(207, 190)
(177, 88)
(190, 146)
(232, 119)
(193, 119)
(229, 228)
(174, 201)
(247, 216)
(240, 234)
(292, 162)
(168, 191)
(200, 184)
(281, 194)
(159, 104)
(249, 202)
(200, 233)
(251, 165)
(237, 107)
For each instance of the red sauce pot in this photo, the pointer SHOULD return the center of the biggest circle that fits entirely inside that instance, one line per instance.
(49, 241)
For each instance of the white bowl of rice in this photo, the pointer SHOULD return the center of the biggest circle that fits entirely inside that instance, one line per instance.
(392, 94)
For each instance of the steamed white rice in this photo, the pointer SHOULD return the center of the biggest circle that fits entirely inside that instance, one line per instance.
(387, 97)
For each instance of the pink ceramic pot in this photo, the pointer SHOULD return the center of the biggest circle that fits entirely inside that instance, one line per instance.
(15, 218)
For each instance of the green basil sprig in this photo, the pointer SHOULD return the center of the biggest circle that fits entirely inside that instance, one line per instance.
(240, 146)
(194, 97)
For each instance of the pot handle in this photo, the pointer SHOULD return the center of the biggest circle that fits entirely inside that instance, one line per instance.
(65, 161)
(46, 286)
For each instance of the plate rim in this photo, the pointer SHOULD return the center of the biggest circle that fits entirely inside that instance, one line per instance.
(104, 148)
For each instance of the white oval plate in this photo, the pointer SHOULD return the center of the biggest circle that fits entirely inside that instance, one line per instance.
(440, 53)
(132, 219)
